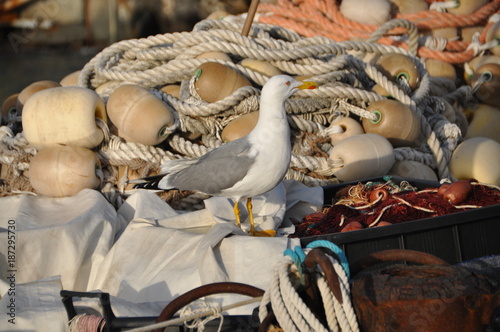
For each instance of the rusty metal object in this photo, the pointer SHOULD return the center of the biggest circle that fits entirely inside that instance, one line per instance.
(431, 297)
(395, 255)
(206, 290)
(317, 257)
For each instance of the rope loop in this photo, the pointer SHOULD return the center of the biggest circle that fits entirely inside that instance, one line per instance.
(295, 305)
(344, 76)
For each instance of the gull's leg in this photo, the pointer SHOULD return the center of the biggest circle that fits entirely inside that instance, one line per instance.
(250, 216)
(236, 210)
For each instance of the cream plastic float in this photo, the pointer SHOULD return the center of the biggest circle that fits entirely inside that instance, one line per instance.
(449, 33)
(465, 7)
(214, 55)
(477, 158)
(31, 89)
(64, 171)
(396, 122)
(410, 6)
(139, 115)
(488, 92)
(172, 89)
(363, 156)
(349, 127)
(492, 34)
(262, 67)
(70, 79)
(399, 67)
(239, 127)
(377, 88)
(485, 122)
(108, 87)
(413, 169)
(367, 11)
(467, 33)
(456, 116)
(438, 68)
(64, 116)
(471, 66)
(215, 81)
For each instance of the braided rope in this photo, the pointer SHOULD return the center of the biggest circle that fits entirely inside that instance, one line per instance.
(323, 18)
(345, 82)
(290, 310)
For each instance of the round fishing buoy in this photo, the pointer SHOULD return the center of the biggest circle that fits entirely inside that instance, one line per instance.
(64, 171)
(438, 68)
(456, 116)
(108, 87)
(139, 115)
(366, 11)
(31, 89)
(468, 33)
(493, 33)
(467, 7)
(488, 92)
(450, 33)
(239, 127)
(477, 158)
(377, 88)
(364, 156)
(9, 109)
(412, 169)
(172, 89)
(485, 122)
(395, 121)
(348, 126)
(399, 67)
(214, 55)
(70, 79)
(262, 67)
(216, 81)
(64, 116)
(410, 6)
(471, 66)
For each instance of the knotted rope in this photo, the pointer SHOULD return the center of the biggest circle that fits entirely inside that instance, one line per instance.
(290, 310)
(324, 18)
(345, 82)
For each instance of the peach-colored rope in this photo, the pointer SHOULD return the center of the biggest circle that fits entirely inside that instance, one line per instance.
(323, 17)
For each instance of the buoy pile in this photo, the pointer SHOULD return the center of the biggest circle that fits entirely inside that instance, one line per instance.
(450, 31)
(141, 102)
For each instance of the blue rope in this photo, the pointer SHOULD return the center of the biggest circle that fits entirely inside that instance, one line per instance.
(336, 250)
(298, 258)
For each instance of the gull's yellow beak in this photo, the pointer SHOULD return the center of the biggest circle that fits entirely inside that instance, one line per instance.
(308, 85)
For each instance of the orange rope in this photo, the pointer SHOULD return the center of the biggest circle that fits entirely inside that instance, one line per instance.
(323, 17)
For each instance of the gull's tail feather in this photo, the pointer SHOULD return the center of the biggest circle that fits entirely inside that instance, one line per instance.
(175, 165)
(150, 182)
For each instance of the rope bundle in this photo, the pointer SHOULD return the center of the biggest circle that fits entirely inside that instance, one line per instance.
(345, 83)
(289, 307)
(324, 18)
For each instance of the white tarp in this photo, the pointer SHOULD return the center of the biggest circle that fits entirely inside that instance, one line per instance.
(144, 255)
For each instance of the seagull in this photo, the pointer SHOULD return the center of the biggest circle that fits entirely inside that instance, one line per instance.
(244, 168)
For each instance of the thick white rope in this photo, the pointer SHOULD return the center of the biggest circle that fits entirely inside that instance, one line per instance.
(344, 80)
(293, 314)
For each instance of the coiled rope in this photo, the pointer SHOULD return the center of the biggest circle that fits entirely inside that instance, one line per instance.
(345, 83)
(324, 18)
(289, 308)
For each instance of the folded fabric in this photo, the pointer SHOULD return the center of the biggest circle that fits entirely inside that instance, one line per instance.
(34, 306)
(46, 236)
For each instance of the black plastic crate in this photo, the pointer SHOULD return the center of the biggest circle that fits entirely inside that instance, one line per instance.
(453, 237)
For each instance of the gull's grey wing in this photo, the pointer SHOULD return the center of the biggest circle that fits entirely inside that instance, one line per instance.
(216, 170)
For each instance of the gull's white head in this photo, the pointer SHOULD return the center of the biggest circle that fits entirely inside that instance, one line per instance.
(280, 87)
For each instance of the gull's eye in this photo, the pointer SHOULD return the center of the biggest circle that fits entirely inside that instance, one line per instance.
(288, 83)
